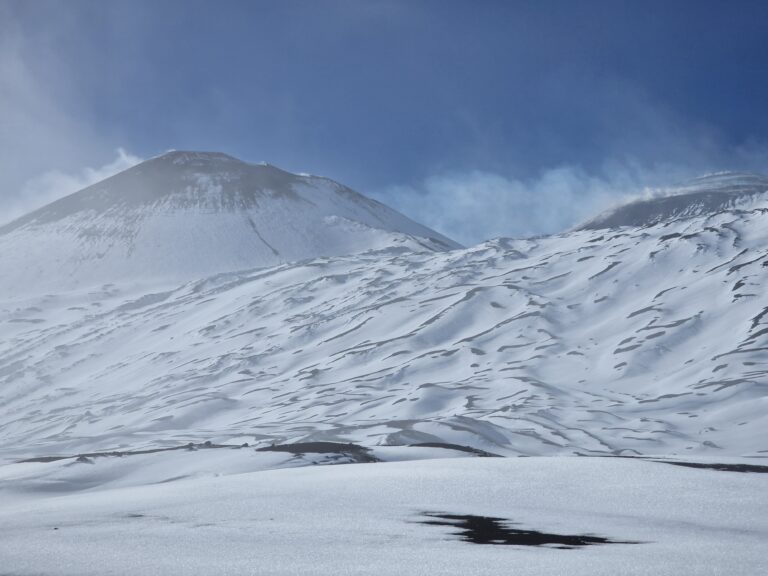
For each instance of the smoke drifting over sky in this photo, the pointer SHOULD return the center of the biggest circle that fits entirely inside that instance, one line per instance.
(475, 206)
(481, 119)
(480, 205)
(54, 184)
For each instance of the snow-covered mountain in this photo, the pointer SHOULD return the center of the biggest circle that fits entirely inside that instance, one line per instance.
(186, 215)
(700, 197)
(153, 420)
(650, 338)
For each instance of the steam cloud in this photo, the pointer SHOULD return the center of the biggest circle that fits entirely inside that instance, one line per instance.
(474, 206)
(55, 184)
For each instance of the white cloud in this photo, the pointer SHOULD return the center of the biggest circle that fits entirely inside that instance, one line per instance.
(42, 124)
(55, 184)
(474, 206)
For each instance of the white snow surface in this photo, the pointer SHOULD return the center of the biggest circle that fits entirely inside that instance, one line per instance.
(648, 340)
(142, 394)
(366, 518)
(186, 215)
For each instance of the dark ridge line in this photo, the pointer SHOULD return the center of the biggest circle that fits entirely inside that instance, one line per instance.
(611, 266)
(256, 230)
(457, 447)
(744, 251)
(120, 453)
(745, 468)
(359, 453)
(738, 267)
(362, 454)
(756, 320)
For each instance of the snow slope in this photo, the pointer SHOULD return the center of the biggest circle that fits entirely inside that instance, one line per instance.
(186, 215)
(702, 196)
(369, 519)
(177, 400)
(641, 340)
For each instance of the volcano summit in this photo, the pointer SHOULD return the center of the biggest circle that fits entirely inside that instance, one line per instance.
(187, 215)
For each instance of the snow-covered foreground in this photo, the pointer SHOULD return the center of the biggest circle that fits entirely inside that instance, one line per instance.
(367, 518)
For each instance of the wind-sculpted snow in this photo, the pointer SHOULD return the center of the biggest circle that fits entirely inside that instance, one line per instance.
(632, 341)
(186, 215)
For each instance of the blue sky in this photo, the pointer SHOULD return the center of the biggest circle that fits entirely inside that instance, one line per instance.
(480, 118)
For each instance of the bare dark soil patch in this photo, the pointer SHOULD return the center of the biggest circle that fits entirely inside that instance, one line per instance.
(497, 531)
(356, 452)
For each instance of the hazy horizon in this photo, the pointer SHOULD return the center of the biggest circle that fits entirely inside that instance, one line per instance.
(480, 120)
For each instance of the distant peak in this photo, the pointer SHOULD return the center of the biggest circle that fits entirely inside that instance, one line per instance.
(210, 162)
(727, 182)
(704, 195)
(193, 158)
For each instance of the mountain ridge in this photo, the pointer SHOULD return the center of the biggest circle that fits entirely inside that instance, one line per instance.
(186, 215)
(638, 340)
(700, 196)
